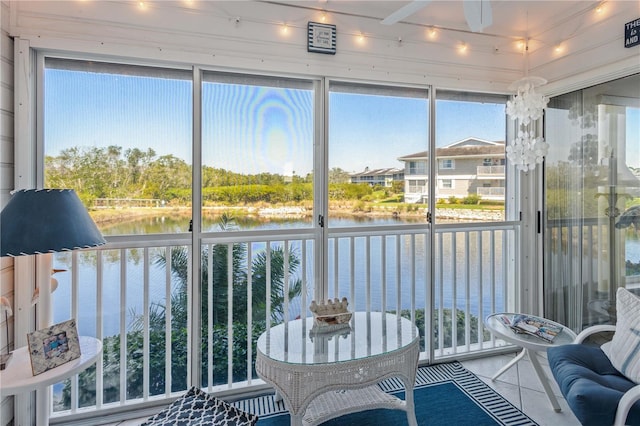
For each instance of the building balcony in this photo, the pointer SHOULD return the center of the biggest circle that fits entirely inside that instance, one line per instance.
(492, 172)
(491, 193)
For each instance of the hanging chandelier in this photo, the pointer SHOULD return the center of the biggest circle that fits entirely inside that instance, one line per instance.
(527, 107)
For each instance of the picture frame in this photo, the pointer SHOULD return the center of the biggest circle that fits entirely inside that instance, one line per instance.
(53, 346)
(321, 38)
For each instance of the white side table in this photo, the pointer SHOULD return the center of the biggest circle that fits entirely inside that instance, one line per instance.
(530, 345)
(17, 377)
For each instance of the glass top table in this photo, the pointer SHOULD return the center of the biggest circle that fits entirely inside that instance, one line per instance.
(368, 334)
(308, 368)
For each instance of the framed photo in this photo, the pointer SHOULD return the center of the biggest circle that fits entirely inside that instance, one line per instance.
(321, 38)
(53, 346)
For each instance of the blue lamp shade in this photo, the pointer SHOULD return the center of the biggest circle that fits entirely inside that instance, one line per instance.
(37, 221)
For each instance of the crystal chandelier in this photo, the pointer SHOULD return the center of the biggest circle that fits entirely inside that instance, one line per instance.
(527, 107)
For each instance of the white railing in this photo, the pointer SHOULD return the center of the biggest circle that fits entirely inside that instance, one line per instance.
(475, 266)
(488, 191)
(134, 296)
(490, 171)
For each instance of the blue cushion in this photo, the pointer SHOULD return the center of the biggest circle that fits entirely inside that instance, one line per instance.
(590, 384)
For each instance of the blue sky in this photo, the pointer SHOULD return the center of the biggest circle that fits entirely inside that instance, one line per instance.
(251, 129)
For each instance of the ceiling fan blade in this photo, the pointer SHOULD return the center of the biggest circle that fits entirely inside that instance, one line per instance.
(404, 11)
(478, 14)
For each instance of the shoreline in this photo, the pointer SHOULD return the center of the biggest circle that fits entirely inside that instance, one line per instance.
(110, 216)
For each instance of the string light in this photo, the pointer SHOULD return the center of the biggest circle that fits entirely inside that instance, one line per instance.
(431, 32)
(559, 48)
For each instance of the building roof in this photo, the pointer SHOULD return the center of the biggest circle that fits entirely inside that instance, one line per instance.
(472, 141)
(377, 172)
(469, 147)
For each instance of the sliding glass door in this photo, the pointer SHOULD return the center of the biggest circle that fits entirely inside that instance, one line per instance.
(592, 184)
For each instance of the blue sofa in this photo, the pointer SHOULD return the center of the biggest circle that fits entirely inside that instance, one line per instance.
(596, 392)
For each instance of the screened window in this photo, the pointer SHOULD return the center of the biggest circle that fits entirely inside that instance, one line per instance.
(468, 146)
(374, 128)
(257, 151)
(120, 136)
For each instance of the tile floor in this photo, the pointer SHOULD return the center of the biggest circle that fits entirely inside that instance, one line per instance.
(519, 385)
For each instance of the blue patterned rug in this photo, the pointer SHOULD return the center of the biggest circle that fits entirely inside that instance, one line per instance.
(445, 394)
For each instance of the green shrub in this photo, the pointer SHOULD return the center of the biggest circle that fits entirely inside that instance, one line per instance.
(471, 199)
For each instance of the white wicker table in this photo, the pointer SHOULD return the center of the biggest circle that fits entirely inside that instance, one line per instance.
(321, 376)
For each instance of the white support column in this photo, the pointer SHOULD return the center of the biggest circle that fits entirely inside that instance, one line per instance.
(24, 178)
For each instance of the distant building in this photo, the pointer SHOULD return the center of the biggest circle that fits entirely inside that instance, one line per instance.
(470, 166)
(382, 177)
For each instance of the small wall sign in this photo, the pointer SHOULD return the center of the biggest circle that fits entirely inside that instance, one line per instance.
(632, 33)
(321, 38)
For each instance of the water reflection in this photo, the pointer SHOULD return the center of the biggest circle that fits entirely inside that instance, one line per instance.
(178, 222)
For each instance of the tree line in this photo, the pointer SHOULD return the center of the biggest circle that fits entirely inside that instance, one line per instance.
(114, 172)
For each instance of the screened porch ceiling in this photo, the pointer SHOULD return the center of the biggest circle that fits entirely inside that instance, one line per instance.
(571, 43)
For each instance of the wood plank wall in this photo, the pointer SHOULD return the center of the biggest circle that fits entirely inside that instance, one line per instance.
(6, 182)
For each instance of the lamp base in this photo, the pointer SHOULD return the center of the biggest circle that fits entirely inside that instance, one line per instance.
(4, 360)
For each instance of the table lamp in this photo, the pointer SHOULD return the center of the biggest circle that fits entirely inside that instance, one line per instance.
(40, 221)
